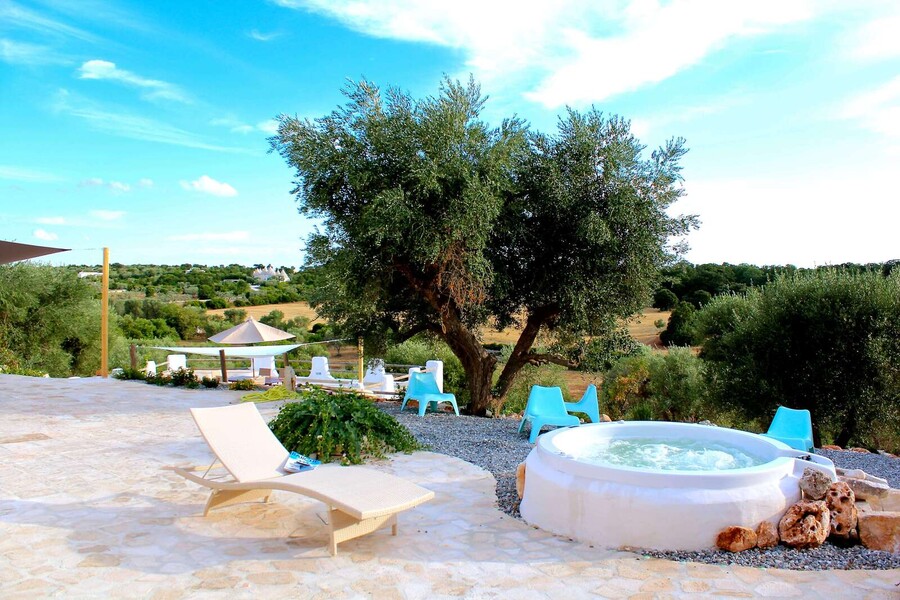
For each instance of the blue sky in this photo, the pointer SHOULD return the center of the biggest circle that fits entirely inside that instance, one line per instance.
(142, 126)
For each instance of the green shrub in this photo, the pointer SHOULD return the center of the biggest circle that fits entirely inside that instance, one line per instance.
(160, 379)
(660, 386)
(680, 331)
(184, 378)
(826, 341)
(130, 374)
(601, 352)
(242, 386)
(664, 299)
(209, 382)
(344, 425)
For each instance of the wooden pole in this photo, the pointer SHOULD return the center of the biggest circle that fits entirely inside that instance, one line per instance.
(133, 352)
(359, 351)
(104, 317)
(222, 364)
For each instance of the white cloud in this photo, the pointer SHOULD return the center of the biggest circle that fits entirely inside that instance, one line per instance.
(270, 126)
(208, 185)
(20, 53)
(42, 234)
(877, 39)
(29, 175)
(263, 37)
(118, 186)
(132, 126)
(877, 110)
(107, 215)
(15, 15)
(229, 236)
(155, 89)
(145, 182)
(574, 51)
(51, 220)
(91, 182)
(817, 219)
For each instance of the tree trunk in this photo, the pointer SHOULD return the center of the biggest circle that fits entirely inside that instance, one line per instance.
(477, 362)
(519, 357)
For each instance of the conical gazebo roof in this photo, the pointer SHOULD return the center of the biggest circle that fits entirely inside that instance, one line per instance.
(250, 331)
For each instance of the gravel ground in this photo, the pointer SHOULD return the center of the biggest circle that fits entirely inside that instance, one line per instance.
(496, 446)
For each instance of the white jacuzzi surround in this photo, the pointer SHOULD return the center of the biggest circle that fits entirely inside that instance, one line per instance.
(615, 506)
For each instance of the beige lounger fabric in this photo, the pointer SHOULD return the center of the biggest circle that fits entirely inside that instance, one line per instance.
(361, 500)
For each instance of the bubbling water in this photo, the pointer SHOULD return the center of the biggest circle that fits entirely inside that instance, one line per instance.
(669, 454)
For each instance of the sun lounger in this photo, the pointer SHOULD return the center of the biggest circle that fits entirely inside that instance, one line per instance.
(360, 500)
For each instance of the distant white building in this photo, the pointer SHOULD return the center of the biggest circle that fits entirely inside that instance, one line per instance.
(270, 273)
(84, 274)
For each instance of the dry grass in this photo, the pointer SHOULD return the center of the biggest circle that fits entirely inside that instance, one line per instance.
(290, 310)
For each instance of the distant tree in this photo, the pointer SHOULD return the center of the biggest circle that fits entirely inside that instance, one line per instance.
(433, 221)
(664, 299)
(680, 329)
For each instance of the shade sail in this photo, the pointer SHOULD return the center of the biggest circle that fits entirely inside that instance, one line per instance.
(236, 351)
(250, 331)
(13, 251)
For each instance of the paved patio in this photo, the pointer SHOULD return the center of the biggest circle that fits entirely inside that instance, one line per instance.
(89, 507)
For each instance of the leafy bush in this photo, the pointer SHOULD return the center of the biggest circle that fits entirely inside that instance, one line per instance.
(209, 382)
(344, 425)
(651, 385)
(664, 299)
(130, 374)
(242, 386)
(185, 378)
(680, 331)
(160, 379)
(601, 352)
(827, 341)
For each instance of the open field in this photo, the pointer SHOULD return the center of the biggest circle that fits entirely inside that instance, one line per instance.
(641, 327)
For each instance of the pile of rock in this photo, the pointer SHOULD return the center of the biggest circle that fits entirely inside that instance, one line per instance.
(857, 508)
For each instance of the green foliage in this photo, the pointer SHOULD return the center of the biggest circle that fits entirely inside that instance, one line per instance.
(50, 320)
(827, 341)
(680, 330)
(185, 378)
(664, 299)
(209, 382)
(344, 425)
(601, 352)
(546, 375)
(160, 379)
(242, 385)
(128, 373)
(660, 386)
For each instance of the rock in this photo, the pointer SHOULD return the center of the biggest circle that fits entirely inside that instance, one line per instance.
(880, 531)
(860, 450)
(840, 501)
(805, 525)
(863, 489)
(766, 535)
(520, 480)
(814, 484)
(604, 418)
(860, 474)
(888, 454)
(888, 503)
(831, 447)
(736, 539)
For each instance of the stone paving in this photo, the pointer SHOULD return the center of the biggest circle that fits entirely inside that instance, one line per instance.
(89, 508)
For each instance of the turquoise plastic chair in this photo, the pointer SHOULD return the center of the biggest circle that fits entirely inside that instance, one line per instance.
(793, 427)
(588, 404)
(423, 388)
(546, 407)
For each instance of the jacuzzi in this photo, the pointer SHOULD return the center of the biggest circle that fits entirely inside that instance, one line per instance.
(621, 506)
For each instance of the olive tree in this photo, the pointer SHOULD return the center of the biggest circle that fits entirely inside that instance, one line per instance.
(434, 221)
